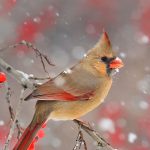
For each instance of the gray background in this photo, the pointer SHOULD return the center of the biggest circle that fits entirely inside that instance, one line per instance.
(65, 30)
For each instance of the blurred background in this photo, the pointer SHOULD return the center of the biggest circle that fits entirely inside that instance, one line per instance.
(64, 30)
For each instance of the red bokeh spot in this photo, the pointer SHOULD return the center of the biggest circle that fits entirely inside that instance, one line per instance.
(139, 147)
(115, 112)
(7, 6)
(144, 22)
(144, 126)
(117, 138)
(112, 110)
(29, 28)
(40, 135)
(105, 8)
(32, 146)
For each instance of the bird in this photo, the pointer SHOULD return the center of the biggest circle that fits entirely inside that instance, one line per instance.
(75, 91)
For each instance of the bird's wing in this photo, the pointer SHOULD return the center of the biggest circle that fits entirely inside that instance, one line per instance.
(65, 87)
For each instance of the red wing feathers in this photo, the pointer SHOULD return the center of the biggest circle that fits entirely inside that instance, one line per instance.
(78, 85)
(61, 96)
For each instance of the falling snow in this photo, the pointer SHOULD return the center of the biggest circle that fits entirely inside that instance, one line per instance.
(144, 39)
(132, 137)
(123, 55)
(107, 124)
(2, 122)
(37, 19)
(64, 32)
(78, 52)
(143, 105)
(144, 84)
(57, 14)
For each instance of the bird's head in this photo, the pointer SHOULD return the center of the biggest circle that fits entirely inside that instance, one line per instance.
(102, 58)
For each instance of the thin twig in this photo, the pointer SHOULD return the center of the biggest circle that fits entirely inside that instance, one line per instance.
(19, 106)
(38, 54)
(36, 50)
(80, 140)
(8, 95)
(11, 111)
(101, 142)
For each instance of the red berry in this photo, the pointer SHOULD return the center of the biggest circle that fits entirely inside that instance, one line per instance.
(41, 134)
(32, 146)
(2, 77)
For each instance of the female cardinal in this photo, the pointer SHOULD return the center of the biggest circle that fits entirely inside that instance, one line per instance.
(75, 91)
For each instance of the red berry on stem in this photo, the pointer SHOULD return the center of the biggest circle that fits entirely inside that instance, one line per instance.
(41, 134)
(2, 77)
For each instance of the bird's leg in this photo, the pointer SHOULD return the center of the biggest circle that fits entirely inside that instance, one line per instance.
(101, 142)
(83, 123)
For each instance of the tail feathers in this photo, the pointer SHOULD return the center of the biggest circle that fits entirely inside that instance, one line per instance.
(41, 115)
(27, 137)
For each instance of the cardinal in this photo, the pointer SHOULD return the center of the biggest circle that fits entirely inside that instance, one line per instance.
(75, 91)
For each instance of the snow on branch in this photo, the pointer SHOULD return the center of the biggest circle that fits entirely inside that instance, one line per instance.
(20, 76)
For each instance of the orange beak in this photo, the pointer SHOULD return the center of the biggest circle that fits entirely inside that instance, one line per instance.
(116, 64)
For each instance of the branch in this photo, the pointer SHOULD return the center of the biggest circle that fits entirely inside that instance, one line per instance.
(26, 82)
(15, 120)
(42, 56)
(8, 95)
(101, 143)
(11, 111)
(80, 141)
(21, 77)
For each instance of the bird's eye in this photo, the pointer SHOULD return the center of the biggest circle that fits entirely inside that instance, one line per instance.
(104, 59)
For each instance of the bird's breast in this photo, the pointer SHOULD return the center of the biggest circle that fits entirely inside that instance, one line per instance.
(75, 109)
